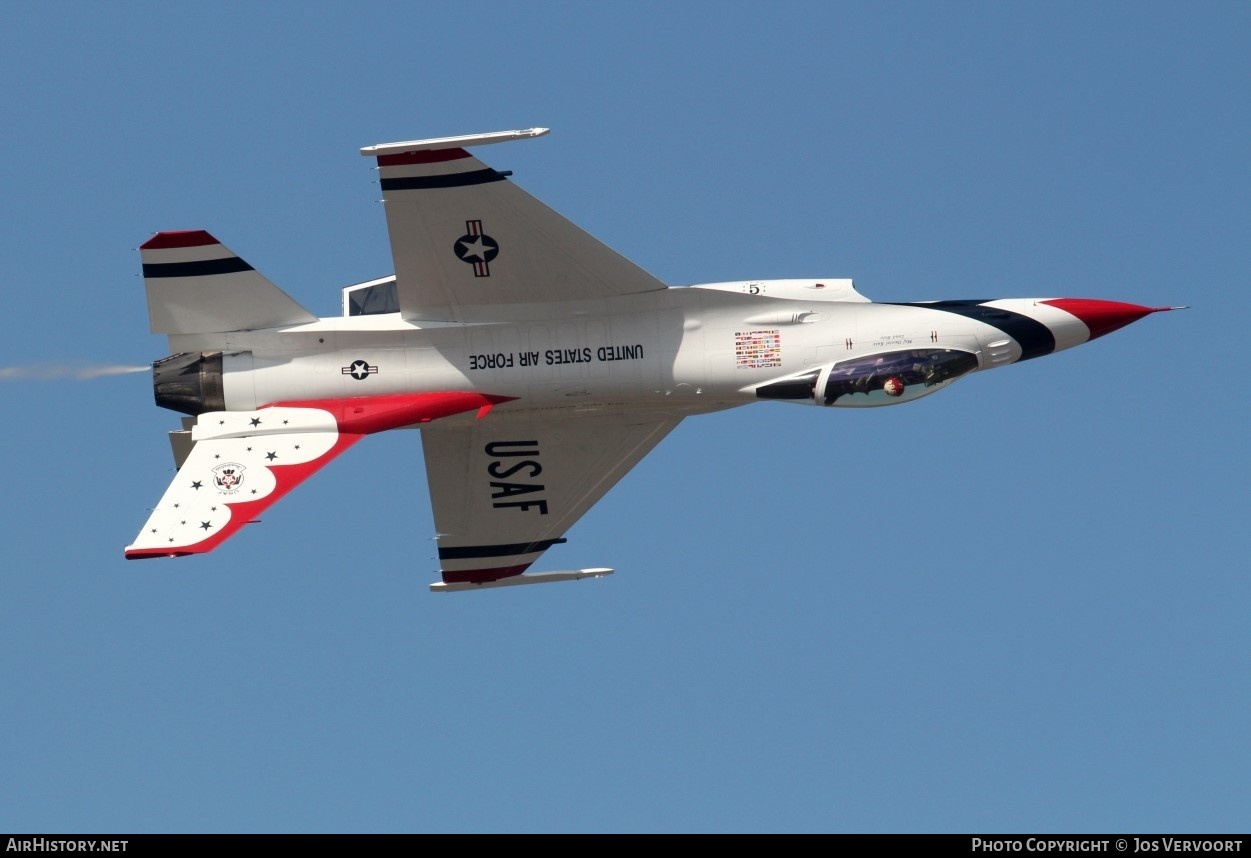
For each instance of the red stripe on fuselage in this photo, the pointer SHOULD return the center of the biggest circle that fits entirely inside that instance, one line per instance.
(365, 415)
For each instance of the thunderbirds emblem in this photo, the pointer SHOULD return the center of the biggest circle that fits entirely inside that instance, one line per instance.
(228, 477)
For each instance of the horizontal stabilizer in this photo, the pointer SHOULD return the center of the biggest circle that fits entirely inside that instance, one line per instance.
(524, 578)
(196, 285)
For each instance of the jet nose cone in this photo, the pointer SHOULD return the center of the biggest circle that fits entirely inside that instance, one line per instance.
(1104, 317)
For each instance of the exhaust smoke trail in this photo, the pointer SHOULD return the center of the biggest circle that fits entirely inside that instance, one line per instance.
(53, 371)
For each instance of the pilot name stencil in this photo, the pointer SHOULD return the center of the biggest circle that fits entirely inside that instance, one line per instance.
(502, 468)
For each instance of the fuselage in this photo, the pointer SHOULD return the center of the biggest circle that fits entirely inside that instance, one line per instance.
(691, 348)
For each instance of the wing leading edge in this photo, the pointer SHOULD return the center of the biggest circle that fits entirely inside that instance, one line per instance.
(465, 237)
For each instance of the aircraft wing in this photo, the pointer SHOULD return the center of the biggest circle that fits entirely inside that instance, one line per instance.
(241, 464)
(464, 236)
(506, 489)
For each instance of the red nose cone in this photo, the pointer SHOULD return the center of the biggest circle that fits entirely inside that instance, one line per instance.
(1103, 317)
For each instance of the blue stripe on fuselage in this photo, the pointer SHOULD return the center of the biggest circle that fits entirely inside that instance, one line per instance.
(1034, 337)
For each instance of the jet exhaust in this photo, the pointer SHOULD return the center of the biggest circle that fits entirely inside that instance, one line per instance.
(189, 383)
(53, 372)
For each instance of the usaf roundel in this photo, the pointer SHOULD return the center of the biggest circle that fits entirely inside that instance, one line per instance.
(359, 370)
(476, 248)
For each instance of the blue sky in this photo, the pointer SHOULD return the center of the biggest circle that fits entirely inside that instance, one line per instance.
(1018, 606)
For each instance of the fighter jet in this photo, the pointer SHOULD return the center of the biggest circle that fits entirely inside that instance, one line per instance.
(539, 365)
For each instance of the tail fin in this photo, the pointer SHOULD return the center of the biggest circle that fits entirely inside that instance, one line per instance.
(196, 285)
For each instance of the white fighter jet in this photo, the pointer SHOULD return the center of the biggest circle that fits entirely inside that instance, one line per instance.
(539, 364)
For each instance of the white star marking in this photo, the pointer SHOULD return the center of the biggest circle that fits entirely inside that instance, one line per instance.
(475, 248)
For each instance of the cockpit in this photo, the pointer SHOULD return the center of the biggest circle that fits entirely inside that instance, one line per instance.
(887, 378)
